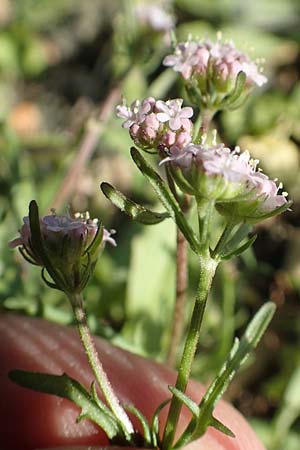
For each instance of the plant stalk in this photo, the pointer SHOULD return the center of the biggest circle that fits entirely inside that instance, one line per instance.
(206, 116)
(181, 286)
(96, 365)
(207, 271)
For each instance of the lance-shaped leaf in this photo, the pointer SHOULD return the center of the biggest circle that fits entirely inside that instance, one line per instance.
(195, 410)
(155, 422)
(145, 425)
(166, 197)
(66, 387)
(134, 210)
(254, 219)
(238, 355)
(237, 90)
(95, 245)
(37, 244)
(242, 248)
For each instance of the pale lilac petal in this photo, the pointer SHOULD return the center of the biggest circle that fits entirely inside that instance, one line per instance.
(175, 123)
(162, 106)
(163, 117)
(186, 112)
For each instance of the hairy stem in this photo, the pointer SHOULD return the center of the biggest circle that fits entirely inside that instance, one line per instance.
(96, 365)
(207, 271)
(206, 116)
(181, 279)
(181, 286)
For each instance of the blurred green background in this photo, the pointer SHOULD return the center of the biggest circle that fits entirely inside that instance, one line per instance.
(60, 60)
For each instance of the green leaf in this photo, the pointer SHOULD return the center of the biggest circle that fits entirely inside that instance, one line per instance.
(238, 355)
(146, 428)
(66, 387)
(221, 427)
(188, 402)
(155, 422)
(275, 212)
(37, 244)
(238, 236)
(237, 90)
(95, 245)
(240, 249)
(135, 211)
(166, 197)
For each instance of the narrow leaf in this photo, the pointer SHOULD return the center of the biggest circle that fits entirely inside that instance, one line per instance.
(146, 427)
(155, 422)
(187, 401)
(221, 427)
(275, 212)
(66, 387)
(134, 210)
(166, 197)
(238, 355)
(239, 235)
(37, 244)
(96, 243)
(237, 91)
(240, 249)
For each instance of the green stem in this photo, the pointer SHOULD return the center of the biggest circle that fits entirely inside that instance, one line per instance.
(205, 209)
(206, 116)
(96, 365)
(181, 279)
(180, 300)
(207, 271)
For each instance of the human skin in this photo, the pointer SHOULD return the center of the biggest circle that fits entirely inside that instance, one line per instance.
(31, 420)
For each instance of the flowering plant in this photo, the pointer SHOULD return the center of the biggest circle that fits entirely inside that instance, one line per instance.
(200, 174)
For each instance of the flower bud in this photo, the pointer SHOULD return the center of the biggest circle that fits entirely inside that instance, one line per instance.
(68, 247)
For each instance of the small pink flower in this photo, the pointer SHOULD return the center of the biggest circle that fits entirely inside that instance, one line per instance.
(136, 112)
(185, 58)
(172, 113)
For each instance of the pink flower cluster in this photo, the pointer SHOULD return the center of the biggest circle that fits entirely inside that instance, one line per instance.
(154, 123)
(229, 176)
(195, 58)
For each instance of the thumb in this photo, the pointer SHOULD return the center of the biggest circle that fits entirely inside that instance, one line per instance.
(31, 420)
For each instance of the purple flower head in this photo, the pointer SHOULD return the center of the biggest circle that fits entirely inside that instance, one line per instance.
(230, 178)
(157, 124)
(193, 57)
(211, 71)
(65, 239)
(66, 246)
